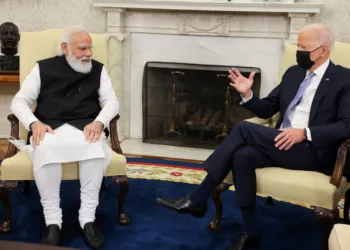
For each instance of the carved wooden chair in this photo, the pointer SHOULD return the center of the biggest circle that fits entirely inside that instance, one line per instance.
(319, 191)
(17, 165)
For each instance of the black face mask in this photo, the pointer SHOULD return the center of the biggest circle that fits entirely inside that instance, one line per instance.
(303, 59)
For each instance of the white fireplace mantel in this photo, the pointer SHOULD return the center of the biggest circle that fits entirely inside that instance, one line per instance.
(220, 12)
(249, 32)
(285, 6)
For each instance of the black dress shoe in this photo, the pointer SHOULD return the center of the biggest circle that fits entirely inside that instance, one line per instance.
(93, 235)
(52, 235)
(184, 205)
(244, 242)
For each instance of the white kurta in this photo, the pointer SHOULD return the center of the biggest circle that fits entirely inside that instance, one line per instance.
(68, 144)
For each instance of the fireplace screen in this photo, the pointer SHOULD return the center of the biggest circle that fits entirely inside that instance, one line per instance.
(191, 105)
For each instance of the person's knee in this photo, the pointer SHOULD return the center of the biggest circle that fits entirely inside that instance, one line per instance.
(244, 152)
(242, 127)
(242, 124)
(95, 167)
(49, 140)
(244, 157)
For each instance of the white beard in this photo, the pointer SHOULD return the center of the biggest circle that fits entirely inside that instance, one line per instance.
(78, 64)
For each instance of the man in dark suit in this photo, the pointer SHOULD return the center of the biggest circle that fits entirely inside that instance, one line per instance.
(314, 104)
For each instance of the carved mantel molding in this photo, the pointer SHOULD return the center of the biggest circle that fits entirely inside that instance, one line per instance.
(212, 5)
(218, 14)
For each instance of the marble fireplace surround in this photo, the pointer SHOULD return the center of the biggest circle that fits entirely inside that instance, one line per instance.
(168, 30)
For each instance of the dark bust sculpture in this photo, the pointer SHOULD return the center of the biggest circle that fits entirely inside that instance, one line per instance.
(9, 38)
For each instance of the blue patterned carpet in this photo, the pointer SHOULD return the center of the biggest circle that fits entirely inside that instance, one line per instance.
(284, 226)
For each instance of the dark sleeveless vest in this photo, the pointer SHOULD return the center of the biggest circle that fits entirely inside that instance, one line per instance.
(67, 96)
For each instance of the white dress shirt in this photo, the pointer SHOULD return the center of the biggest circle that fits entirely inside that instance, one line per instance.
(23, 101)
(300, 114)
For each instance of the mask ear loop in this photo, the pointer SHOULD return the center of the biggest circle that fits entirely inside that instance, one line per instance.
(315, 50)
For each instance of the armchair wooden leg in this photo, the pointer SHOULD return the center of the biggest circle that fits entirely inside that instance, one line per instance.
(103, 185)
(214, 225)
(124, 189)
(5, 226)
(328, 218)
(26, 187)
(347, 206)
(269, 201)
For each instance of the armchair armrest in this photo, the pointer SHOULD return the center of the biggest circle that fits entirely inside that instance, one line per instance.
(11, 149)
(114, 135)
(339, 164)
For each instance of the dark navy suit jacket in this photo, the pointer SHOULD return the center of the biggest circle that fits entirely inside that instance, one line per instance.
(329, 120)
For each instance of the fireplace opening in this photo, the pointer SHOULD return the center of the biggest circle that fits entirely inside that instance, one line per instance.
(191, 105)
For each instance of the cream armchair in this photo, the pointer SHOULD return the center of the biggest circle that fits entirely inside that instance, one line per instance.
(17, 166)
(316, 190)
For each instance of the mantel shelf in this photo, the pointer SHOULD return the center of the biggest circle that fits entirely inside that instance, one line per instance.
(9, 79)
(212, 6)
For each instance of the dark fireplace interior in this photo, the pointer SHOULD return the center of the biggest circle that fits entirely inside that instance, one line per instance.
(191, 105)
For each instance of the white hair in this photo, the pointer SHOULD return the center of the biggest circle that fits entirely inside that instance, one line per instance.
(66, 36)
(324, 34)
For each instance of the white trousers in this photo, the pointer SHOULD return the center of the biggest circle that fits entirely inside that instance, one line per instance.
(48, 180)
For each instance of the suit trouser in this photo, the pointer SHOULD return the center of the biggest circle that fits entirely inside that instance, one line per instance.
(48, 180)
(250, 146)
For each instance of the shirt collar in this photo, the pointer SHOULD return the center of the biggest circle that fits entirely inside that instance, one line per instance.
(321, 69)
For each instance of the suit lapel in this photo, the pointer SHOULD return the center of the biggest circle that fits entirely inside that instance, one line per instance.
(321, 90)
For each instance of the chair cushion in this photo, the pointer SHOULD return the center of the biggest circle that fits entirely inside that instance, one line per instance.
(19, 167)
(306, 187)
(258, 120)
(339, 238)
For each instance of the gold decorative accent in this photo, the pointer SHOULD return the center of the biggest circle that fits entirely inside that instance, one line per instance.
(227, 103)
(172, 130)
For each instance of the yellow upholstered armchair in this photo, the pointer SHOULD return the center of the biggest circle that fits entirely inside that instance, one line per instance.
(17, 166)
(313, 189)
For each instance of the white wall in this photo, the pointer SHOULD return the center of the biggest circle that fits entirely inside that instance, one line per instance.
(34, 15)
(336, 14)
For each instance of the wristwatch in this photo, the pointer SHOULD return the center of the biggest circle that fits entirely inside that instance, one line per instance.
(305, 133)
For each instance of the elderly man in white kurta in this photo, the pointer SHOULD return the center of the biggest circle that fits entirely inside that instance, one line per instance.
(75, 102)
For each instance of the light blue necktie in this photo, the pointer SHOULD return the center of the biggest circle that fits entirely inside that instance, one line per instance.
(303, 86)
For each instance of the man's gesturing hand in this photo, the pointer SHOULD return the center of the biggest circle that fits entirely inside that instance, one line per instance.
(39, 130)
(93, 131)
(241, 83)
(289, 137)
